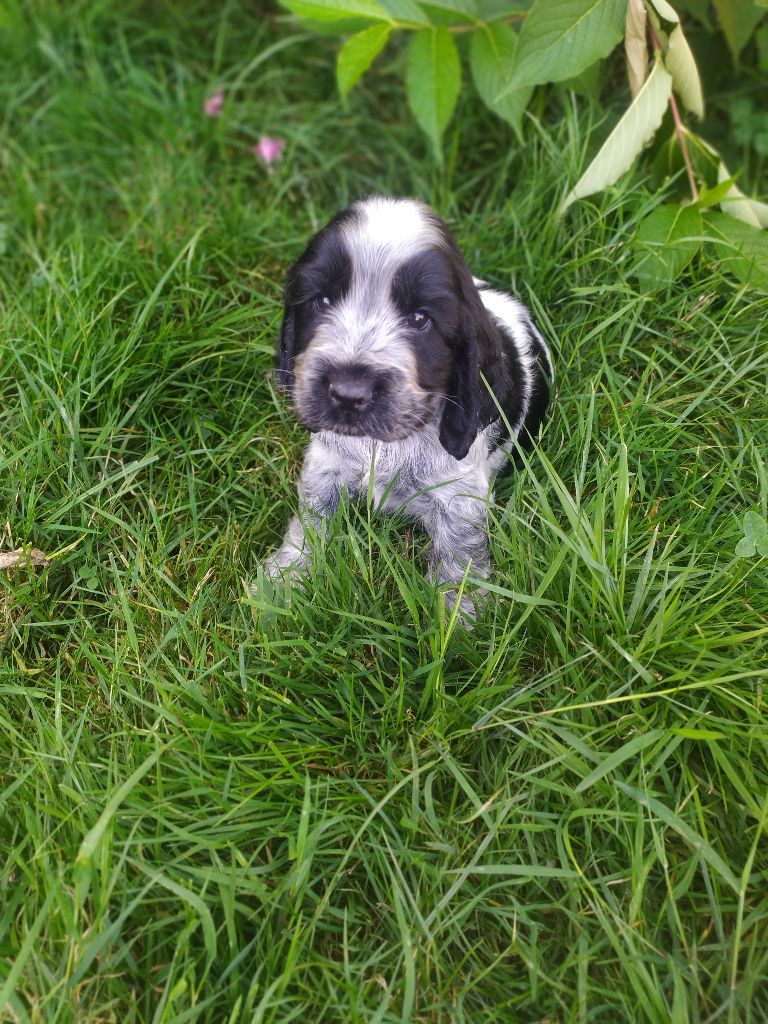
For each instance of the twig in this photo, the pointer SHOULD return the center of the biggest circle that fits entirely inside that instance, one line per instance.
(23, 556)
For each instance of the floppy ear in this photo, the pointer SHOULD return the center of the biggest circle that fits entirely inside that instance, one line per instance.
(461, 413)
(286, 348)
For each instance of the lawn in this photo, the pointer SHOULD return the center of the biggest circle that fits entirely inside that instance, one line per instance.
(338, 805)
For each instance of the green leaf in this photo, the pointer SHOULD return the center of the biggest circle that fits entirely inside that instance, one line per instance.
(745, 548)
(755, 527)
(491, 58)
(628, 138)
(586, 83)
(715, 195)
(194, 901)
(741, 249)
(357, 55)
(698, 734)
(685, 75)
(755, 539)
(451, 12)
(666, 11)
(738, 19)
(519, 870)
(433, 80)
(337, 10)
(737, 205)
(665, 243)
(697, 842)
(25, 951)
(560, 38)
(679, 61)
(492, 10)
(91, 842)
(405, 11)
(609, 764)
(698, 8)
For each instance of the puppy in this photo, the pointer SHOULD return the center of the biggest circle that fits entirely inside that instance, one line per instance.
(398, 361)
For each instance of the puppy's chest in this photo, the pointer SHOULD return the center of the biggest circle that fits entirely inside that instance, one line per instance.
(396, 469)
(411, 472)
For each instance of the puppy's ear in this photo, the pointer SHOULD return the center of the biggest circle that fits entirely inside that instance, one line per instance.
(461, 414)
(286, 348)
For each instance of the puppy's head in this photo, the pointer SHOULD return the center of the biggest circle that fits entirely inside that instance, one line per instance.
(382, 328)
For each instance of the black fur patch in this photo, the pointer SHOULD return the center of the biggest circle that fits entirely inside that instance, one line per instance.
(539, 399)
(323, 269)
(423, 284)
(462, 345)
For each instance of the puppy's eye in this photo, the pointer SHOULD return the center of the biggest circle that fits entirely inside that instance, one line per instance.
(322, 302)
(419, 320)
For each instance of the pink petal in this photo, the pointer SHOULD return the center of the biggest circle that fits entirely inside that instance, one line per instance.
(268, 149)
(214, 103)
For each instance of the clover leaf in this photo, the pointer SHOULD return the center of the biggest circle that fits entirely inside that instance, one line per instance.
(755, 539)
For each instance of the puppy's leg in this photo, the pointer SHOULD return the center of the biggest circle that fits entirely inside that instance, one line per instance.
(324, 475)
(293, 554)
(458, 531)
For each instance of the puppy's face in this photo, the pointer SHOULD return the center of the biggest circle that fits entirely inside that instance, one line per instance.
(373, 322)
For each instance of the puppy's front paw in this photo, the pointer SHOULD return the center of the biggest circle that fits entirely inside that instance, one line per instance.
(275, 582)
(466, 615)
(293, 556)
(287, 561)
(451, 575)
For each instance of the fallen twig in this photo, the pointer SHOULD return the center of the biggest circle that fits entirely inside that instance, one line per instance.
(23, 556)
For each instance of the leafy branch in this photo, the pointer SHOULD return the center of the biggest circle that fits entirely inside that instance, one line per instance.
(557, 41)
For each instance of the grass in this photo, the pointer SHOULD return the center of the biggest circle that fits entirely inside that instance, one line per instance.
(337, 805)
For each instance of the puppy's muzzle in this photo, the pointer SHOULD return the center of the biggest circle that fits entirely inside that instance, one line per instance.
(351, 398)
(349, 392)
(357, 399)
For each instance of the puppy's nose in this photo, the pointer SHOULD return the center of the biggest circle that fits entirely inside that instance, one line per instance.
(350, 393)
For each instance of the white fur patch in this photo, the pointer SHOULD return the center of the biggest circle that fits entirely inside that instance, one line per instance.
(390, 232)
(515, 317)
(396, 222)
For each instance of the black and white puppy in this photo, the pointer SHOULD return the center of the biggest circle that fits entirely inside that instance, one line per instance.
(389, 348)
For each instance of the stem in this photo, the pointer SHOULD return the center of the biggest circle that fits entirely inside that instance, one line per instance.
(680, 129)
